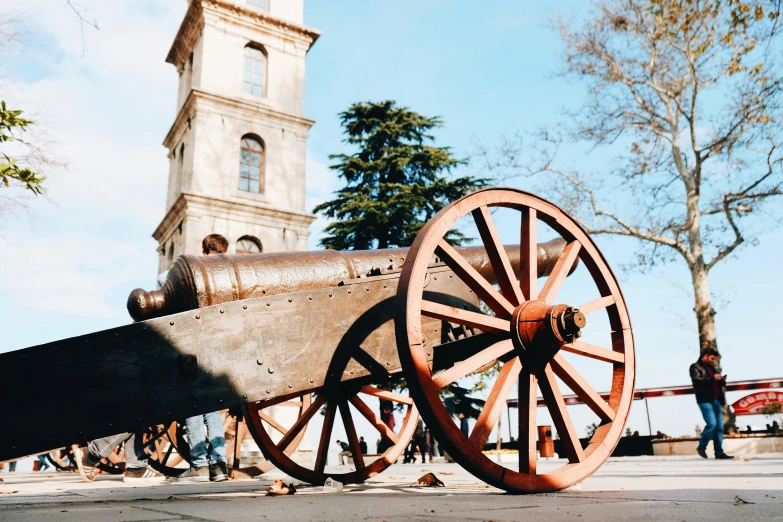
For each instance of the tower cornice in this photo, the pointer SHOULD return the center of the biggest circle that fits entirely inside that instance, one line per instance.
(205, 101)
(238, 210)
(195, 18)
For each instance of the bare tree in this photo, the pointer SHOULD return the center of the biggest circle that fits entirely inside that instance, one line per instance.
(24, 156)
(686, 96)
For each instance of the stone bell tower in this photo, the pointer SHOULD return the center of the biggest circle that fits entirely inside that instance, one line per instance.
(237, 147)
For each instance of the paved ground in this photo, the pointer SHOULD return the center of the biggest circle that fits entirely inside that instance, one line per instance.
(662, 488)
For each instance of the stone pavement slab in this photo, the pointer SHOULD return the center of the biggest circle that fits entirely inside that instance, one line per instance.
(649, 488)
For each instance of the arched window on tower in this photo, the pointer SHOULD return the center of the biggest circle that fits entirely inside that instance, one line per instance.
(253, 81)
(251, 164)
(249, 245)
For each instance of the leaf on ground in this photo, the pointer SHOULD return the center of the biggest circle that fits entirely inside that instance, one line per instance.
(738, 500)
(446, 472)
(430, 480)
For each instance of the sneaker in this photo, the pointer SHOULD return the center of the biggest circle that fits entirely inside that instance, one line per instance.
(218, 472)
(145, 475)
(723, 456)
(193, 474)
(702, 453)
(86, 463)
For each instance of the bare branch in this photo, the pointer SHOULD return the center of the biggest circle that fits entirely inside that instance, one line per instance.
(82, 22)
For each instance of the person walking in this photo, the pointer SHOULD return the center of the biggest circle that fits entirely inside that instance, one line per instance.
(362, 446)
(345, 451)
(432, 444)
(387, 417)
(463, 424)
(419, 442)
(207, 462)
(137, 469)
(709, 388)
(44, 463)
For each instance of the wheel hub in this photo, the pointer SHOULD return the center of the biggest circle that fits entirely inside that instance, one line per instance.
(539, 330)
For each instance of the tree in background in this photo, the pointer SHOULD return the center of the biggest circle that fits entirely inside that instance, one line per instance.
(686, 93)
(22, 157)
(395, 181)
(13, 171)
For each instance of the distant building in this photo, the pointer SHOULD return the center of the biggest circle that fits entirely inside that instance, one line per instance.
(237, 147)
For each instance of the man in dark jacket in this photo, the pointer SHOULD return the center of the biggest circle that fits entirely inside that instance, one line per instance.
(709, 388)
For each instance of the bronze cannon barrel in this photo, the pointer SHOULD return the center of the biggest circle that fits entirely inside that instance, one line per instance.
(199, 281)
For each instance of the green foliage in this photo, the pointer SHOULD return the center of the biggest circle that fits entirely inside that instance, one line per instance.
(773, 411)
(457, 399)
(394, 182)
(11, 173)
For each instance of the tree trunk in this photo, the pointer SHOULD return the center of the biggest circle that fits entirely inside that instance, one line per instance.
(705, 313)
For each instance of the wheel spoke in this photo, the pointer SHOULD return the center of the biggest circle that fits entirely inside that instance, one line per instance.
(471, 364)
(282, 400)
(594, 352)
(528, 255)
(527, 406)
(497, 255)
(301, 422)
(451, 314)
(557, 409)
(241, 431)
(169, 451)
(470, 276)
(350, 431)
(598, 304)
(581, 388)
(495, 402)
(272, 422)
(373, 418)
(385, 394)
(326, 434)
(559, 272)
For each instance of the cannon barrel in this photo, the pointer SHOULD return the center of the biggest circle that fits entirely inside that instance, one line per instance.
(199, 281)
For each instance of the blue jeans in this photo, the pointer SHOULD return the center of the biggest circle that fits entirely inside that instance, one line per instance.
(199, 454)
(713, 431)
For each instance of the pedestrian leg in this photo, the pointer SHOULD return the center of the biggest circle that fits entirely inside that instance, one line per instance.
(197, 440)
(708, 412)
(717, 438)
(216, 437)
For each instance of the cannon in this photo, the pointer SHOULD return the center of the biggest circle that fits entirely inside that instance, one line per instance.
(268, 329)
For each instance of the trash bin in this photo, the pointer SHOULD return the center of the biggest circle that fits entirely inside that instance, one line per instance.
(546, 446)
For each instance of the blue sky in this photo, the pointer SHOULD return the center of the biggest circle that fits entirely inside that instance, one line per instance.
(69, 262)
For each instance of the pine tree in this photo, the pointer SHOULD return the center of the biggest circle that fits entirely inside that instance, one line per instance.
(395, 182)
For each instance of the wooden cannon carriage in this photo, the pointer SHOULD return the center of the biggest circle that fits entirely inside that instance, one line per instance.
(268, 329)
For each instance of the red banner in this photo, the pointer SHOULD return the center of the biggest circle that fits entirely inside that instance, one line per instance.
(754, 403)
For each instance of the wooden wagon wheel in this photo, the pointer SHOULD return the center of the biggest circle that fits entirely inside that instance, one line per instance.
(251, 415)
(58, 459)
(170, 449)
(534, 332)
(337, 398)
